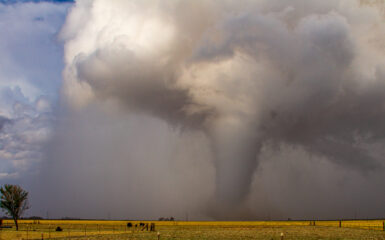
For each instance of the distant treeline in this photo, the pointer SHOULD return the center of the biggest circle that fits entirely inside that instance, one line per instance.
(40, 218)
(25, 218)
(166, 219)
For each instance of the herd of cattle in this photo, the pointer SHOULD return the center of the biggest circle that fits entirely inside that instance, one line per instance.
(143, 226)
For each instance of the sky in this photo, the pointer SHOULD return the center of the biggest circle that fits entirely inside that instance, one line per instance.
(35, 1)
(30, 78)
(263, 109)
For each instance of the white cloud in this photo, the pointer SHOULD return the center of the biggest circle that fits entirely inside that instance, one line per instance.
(23, 136)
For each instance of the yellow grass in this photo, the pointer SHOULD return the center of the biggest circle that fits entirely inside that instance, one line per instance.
(38, 229)
(378, 223)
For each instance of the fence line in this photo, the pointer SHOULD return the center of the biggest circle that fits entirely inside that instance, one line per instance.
(48, 229)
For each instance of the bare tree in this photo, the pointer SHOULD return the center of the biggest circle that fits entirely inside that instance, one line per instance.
(13, 201)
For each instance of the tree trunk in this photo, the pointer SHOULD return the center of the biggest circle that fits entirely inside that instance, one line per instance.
(17, 225)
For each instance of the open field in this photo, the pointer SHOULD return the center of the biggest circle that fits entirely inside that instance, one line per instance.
(85, 229)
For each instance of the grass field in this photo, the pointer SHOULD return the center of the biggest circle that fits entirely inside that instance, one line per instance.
(84, 229)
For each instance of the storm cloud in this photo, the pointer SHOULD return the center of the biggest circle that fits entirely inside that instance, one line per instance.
(247, 83)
